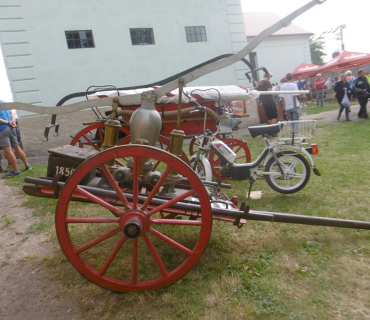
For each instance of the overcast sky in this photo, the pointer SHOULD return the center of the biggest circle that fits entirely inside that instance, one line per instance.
(325, 17)
(321, 18)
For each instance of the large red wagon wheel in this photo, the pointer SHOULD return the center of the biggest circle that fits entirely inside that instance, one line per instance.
(93, 136)
(130, 242)
(241, 149)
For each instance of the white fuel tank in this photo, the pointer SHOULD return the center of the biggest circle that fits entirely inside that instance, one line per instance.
(224, 150)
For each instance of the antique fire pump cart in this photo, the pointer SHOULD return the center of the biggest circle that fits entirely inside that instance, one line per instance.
(146, 216)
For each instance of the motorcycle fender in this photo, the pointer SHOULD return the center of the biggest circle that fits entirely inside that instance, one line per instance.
(206, 165)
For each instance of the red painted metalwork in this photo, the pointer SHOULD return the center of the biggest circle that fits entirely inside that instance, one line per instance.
(85, 136)
(162, 250)
(241, 149)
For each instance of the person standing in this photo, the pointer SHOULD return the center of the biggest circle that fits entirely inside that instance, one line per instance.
(309, 96)
(328, 85)
(335, 81)
(342, 88)
(276, 87)
(367, 76)
(268, 101)
(319, 89)
(291, 100)
(9, 141)
(362, 92)
(350, 80)
(303, 97)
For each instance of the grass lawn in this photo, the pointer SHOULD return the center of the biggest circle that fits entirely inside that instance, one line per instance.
(264, 270)
(328, 106)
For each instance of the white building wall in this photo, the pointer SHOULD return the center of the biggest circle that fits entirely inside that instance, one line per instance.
(42, 69)
(282, 54)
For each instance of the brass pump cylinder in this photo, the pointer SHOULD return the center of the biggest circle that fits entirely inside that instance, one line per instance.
(177, 141)
(111, 136)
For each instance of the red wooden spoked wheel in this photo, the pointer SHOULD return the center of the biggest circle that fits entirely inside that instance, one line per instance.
(195, 143)
(241, 149)
(162, 143)
(130, 241)
(93, 136)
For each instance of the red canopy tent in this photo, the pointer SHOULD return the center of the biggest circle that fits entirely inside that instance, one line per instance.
(346, 60)
(304, 70)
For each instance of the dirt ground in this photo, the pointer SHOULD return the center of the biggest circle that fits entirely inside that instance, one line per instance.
(26, 292)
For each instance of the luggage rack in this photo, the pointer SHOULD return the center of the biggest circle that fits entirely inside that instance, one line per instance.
(296, 132)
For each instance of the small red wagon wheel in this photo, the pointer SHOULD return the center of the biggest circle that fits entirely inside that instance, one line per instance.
(130, 242)
(162, 143)
(241, 149)
(93, 136)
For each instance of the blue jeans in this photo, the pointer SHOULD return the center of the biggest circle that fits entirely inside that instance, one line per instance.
(320, 97)
(293, 115)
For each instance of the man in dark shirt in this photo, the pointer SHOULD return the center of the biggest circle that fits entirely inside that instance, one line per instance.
(362, 92)
(268, 101)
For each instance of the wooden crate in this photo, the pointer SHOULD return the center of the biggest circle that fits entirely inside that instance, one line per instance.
(63, 161)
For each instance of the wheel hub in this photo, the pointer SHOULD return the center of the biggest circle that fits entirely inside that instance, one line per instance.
(134, 223)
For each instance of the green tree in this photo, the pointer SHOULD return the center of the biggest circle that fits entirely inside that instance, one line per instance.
(317, 46)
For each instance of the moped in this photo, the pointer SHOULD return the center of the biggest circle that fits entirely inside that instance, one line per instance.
(284, 163)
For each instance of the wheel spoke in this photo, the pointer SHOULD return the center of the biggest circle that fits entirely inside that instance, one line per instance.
(170, 241)
(135, 181)
(237, 150)
(171, 202)
(156, 165)
(119, 163)
(101, 135)
(293, 163)
(115, 185)
(112, 256)
(98, 200)
(287, 181)
(155, 255)
(90, 143)
(239, 157)
(97, 240)
(134, 261)
(92, 220)
(297, 175)
(177, 222)
(156, 187)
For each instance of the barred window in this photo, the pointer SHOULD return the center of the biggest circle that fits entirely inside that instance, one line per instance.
(195, 34)
(80, 39)
(142, 36)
